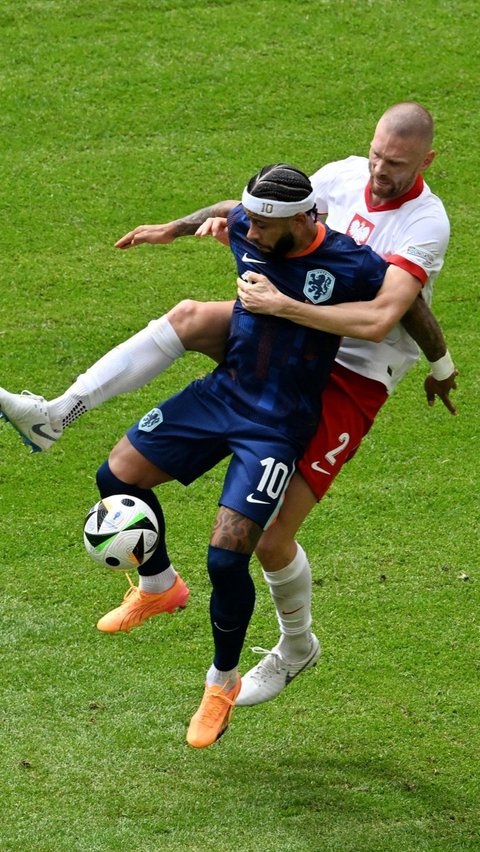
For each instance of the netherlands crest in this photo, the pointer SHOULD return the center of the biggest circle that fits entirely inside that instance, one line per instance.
(319, 285)
(150, 421)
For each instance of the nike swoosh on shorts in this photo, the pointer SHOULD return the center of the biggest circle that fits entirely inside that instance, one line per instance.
(316, 466)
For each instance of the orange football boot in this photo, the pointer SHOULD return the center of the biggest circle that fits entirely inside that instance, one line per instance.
(137, 606)
(213, 716)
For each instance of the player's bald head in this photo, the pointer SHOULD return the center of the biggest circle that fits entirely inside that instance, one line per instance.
(401, 150)
(408, 120)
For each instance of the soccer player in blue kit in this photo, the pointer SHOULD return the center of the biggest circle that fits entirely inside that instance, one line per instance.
(260, 405)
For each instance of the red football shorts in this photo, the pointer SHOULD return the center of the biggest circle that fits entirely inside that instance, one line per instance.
(350, 403)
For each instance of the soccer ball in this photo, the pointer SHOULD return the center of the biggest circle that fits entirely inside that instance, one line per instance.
(120, 532)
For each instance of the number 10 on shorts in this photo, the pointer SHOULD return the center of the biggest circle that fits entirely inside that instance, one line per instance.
(274, 479)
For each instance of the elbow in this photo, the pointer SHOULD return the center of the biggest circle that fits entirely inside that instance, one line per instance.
(373, 331)
(382, 326)
(378, 333)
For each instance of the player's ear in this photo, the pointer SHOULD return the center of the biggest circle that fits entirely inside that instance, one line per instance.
(299, 220)
(428, 159)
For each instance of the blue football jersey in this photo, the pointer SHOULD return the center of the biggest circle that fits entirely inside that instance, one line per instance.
(275, 370)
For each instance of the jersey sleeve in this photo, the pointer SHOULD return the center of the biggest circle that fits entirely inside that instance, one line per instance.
(421, 251)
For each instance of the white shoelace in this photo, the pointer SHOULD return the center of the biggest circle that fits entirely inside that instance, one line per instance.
(272, 662)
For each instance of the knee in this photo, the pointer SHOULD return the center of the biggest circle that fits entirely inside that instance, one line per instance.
(121, 461)
(126, 468)
(232, 584)
(266, 550)
(275, 549)
(202, 326)
(111, 478)
(186, 319)
(226, 566)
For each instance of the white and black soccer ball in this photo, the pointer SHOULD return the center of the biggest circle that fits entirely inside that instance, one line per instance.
(120, 532)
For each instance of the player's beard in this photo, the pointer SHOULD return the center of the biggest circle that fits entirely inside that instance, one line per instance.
(389, 190)
(281, 248)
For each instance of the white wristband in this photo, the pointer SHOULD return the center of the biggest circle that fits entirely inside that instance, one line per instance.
(443, 368)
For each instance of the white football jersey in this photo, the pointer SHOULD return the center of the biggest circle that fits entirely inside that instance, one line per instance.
(412, 232)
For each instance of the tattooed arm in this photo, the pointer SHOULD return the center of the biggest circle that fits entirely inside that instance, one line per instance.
(168, 232)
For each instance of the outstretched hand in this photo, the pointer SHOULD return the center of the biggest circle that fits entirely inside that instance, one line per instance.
(153, 234)
(434, 387)
(214, 226)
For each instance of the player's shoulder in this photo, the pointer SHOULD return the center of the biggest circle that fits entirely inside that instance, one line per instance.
(339, 238)
(433, 201)
(341, 170)
(235, 212)
(428, 210)
(236, 218)
(344, 244)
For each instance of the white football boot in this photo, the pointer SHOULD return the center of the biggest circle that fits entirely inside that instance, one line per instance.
(272, 674)
(28, 414)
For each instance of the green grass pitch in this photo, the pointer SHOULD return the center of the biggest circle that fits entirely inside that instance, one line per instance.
(114, 114)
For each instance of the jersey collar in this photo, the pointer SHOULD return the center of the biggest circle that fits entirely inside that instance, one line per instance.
(321, 231)
(413, 192)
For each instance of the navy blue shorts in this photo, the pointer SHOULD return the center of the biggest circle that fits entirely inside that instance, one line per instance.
(191, 432)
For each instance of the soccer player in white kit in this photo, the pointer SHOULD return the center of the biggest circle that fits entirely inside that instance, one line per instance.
(382, 201)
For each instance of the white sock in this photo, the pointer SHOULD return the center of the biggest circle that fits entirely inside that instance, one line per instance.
(291, 591)
(125, 368)
(226, 679)
(156, 583)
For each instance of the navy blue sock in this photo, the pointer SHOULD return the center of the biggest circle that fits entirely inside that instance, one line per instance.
(109, 484)
(231, 604)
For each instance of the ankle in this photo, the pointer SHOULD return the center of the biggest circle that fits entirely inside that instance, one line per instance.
(296, 647)
(155, 584)
(225, 679)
